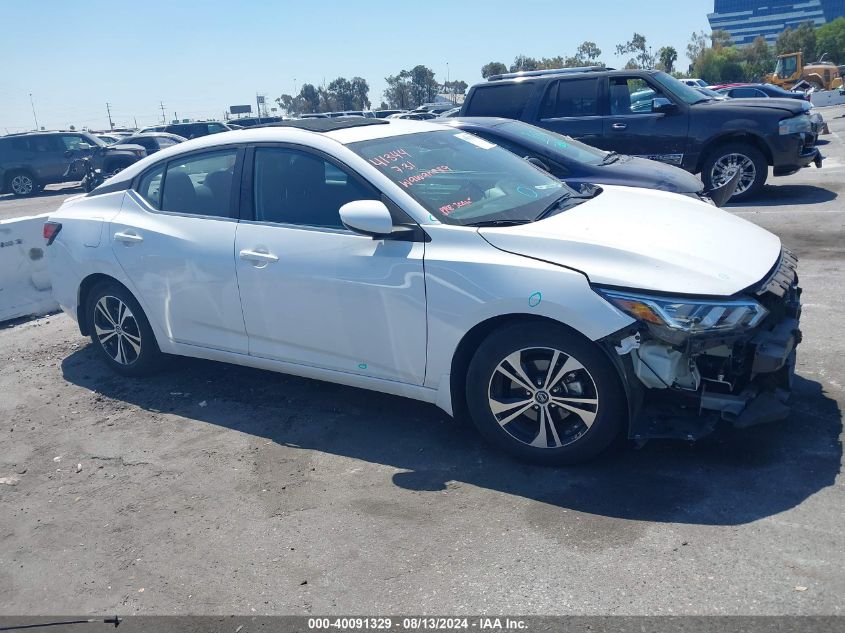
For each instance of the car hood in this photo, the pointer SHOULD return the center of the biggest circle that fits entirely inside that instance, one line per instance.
(642, 172)
(649, 240)
(790, 106)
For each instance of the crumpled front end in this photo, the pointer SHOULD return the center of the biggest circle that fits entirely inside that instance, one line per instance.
(682, 384)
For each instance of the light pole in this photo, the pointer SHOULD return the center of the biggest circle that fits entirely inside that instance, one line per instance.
(32, 103)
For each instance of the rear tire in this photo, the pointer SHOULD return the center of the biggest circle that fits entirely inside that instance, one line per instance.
(722, 162)
(21, 184)
(544, 395)
(121, 332)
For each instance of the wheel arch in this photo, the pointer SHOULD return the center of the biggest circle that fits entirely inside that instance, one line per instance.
(85, 287)
(734, 137)
(474, 336)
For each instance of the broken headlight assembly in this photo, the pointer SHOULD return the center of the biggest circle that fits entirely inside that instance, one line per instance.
(676, 316)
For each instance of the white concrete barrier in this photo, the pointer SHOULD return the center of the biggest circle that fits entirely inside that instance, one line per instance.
(826, 98)
(24, 278)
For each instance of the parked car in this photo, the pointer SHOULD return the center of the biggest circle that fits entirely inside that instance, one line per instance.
(154, 141)
(30, 161)
(452, 112)
(434, 108)
(314, 115)
(418, 260)
(653, 115)
(414, 116)
(191, 130)
(694, 82)
(578, 163)
(710, 94)
(757, 91)
(109, 139)
(383, 114)
(250, 121)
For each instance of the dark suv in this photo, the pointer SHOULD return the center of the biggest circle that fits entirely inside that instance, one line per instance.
(32, 160)
(653, 115)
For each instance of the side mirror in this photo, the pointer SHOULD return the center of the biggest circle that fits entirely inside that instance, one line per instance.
(662, 105)
(84, 147)
(537, 162)
(368, 217)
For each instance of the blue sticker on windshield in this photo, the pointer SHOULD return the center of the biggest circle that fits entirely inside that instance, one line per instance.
(535, 299)
(362, 365)
(528, 192)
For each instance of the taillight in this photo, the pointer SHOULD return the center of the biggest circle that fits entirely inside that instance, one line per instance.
(51, 230)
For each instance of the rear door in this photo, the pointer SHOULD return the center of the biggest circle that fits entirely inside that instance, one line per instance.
(572, 107)
(174, 238)
(631, 127)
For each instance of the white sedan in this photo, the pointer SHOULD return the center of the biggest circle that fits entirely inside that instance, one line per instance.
(408, 258)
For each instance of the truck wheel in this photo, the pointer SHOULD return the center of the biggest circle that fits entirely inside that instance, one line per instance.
(725, 160)
(21, 183)
(544, 395)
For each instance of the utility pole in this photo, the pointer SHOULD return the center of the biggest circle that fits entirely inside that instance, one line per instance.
(108, 109)
(32, 103)
(163, 115)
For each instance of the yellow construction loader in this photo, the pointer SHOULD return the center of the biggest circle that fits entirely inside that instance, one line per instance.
(790, 70)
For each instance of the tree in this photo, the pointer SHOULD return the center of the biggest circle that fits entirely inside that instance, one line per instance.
(360, 94)
(339, 95)
(398, 91)
(830, 39)
(802, 39)
(310, 98)
(719, 65)
(456, 87)
(521, 62)
(493, 68)
(720, 39)
(758, 59)
(423, 85)
(667, 56)
(587, 53)
(637, 46)
(696, 47)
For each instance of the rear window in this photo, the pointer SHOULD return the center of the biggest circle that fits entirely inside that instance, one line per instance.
(504, 100)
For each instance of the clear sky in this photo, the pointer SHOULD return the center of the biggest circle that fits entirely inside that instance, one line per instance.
(201, 57)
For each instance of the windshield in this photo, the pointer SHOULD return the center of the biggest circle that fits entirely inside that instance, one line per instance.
(559, 143)
(462, 179)
(685, 93)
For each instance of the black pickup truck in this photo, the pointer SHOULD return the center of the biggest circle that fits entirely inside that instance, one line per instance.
(653, 115)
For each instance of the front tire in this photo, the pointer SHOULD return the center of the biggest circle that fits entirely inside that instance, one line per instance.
(121, 332)
(722, 162)
(544, 395)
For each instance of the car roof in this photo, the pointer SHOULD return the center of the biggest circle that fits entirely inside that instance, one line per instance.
(362, 130)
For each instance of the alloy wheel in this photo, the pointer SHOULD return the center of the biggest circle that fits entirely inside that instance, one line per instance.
(117, 330)
(725, 168)
(543, 397)
(22, 185)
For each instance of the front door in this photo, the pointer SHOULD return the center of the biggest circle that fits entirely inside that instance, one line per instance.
(174, 238)
(631, 126)
(317, 294)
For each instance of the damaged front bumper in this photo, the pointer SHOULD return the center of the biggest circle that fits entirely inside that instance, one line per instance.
(684, 389)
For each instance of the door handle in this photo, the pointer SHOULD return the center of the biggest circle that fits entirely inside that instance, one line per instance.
(257, 256)
(619, 126)
(128, 238)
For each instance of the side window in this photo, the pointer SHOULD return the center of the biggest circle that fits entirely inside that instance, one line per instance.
(504, 100)
(149, 187)
(72, 142)
(294, 187)
(163, 142)
(742, 93)
(631, 95)
(571, 98)
(200, 184)
(214, 128)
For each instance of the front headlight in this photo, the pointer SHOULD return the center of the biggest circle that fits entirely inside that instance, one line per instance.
(687, 315)
(795, 125)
